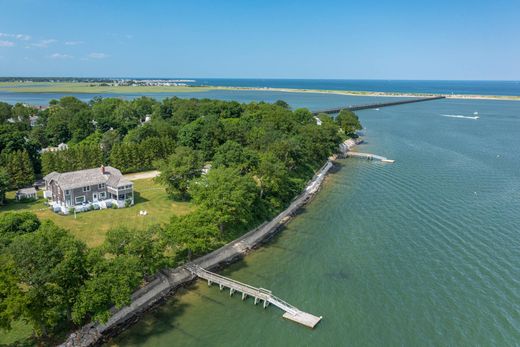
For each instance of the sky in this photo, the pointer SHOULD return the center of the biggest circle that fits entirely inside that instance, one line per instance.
(364, 39)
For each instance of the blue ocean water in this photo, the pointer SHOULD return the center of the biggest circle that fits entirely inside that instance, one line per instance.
(422, 252)
(398, 86)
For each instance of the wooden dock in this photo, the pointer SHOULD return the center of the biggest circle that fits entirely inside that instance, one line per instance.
(258, 294)
(377, 105)
(369, 156)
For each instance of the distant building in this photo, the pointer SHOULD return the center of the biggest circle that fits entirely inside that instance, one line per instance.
(61, 147)
(83, 189)
(26, 193)
(33, 120)
(206, 169)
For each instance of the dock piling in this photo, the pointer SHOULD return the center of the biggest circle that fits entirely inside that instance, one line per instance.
(259, 294)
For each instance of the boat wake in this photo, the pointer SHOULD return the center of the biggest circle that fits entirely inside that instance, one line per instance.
(460, 116)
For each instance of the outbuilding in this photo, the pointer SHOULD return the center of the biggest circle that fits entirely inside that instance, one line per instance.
(27, 194)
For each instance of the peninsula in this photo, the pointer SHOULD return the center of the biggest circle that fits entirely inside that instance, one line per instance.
(80, 87)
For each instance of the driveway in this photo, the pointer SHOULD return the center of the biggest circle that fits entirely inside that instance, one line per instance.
(141, 175)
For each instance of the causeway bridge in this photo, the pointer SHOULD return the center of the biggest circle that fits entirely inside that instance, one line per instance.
(259, 294)
(377, 105)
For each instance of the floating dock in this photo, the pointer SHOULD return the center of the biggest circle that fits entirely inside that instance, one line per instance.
(258, 294)
(369, 156)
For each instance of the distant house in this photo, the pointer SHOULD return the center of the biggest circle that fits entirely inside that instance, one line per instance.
(61, 147)
(92, 188)
(33, 120)
(206, 169)
(26, 193)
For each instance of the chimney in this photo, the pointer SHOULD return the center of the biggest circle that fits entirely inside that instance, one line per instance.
(103, 169)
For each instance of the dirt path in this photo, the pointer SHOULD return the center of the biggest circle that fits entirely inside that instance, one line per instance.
(141, 175)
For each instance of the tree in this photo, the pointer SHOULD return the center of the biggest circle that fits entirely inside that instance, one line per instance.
(227, 194)
(19, 168)
(81, 126)
(111, 282)
(282, 104)
(178, 169)
(21, 113)
(5, 112)
(48, 267)
(193, 235)
(145, 245)
(109, 140)
(348, 121)
(273, 180)
(13, 224)
(103, 112)
(143, 106)
(233, 154)
(4, 185)
(204, 134)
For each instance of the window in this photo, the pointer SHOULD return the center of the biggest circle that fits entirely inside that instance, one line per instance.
(101, 185)
(129, 187)
(67, 192)
(86, 189)
(79, 199)
(102, 195)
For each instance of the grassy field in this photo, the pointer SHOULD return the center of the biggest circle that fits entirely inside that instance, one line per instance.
(19, 332)
(81, 87)
(92, 226)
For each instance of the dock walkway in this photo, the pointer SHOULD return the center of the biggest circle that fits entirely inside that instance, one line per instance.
(368, 156)
(259, 294)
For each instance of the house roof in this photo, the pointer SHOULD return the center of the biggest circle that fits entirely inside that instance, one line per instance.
(26, 191)
(50, 176)
(89, 177)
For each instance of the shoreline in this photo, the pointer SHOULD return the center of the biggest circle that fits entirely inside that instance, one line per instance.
(168, 281)
(376, 94)
(69, 88)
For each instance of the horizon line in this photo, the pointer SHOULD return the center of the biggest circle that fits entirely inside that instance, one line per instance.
(270, 78)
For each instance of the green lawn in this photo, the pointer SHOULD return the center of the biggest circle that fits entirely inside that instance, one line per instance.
(20, 333)
(92, 226)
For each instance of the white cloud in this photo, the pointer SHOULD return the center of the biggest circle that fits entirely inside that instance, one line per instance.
(98, 56)
(60, 56)
(73, 43)
(6, 43)
(22, 37)
(43, 43)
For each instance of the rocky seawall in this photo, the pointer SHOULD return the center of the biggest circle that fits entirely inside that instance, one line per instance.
(166, 282)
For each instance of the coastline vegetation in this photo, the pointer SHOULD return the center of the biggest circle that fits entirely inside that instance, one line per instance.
(224, 168)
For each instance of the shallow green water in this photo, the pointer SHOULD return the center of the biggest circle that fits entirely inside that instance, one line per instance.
(425, 251)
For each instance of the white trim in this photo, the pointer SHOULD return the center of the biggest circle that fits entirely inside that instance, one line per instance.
(76, 199)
